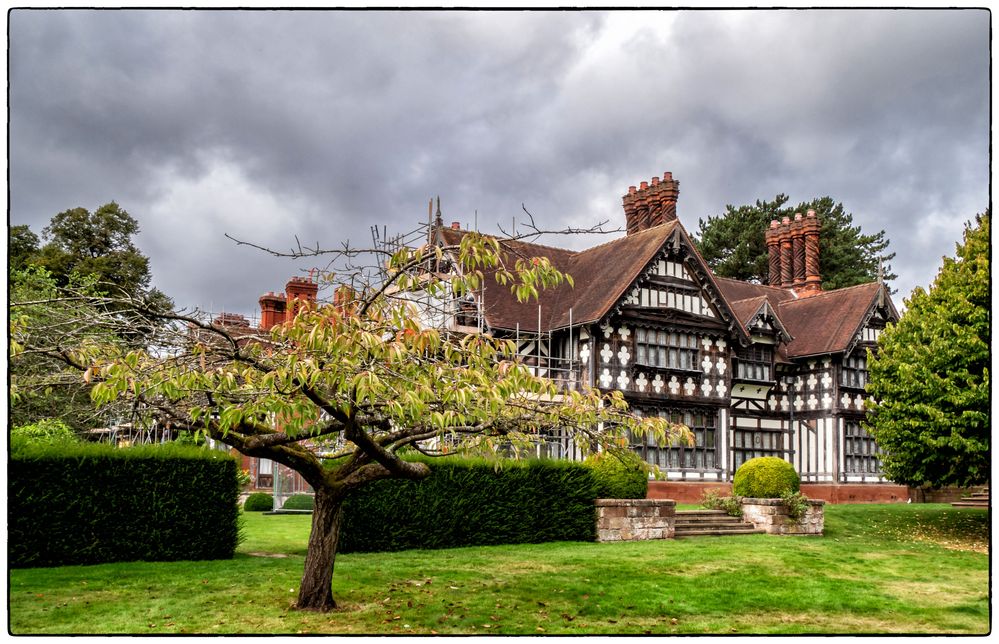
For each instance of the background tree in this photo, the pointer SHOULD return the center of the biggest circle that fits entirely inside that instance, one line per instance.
(929, 382)
(734, 244)
(98, 244)
(360, 382)
(22, 245)
(87, 256)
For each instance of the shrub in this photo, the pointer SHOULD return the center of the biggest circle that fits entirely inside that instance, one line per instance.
(259, 502)
(796, 503)
(620, 474)
(90, 504)
(49, 431)
(467, 502)
(712, 500)
(766, 477)
(299, 502)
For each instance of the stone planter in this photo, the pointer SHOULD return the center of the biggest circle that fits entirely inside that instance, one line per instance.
(635, 519)
(771, 515)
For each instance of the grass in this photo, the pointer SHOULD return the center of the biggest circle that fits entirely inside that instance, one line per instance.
(917, 569)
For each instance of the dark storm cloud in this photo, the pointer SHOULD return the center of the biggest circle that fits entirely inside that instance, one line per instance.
(267, 125)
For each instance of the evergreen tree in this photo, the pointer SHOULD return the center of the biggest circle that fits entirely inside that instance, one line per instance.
(929, 382)
(734, 244)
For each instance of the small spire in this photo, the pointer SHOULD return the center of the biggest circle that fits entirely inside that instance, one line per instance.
(439, 221)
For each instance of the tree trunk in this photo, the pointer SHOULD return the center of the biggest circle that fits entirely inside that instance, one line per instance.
(316, 591)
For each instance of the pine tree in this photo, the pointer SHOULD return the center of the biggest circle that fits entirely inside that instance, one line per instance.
(734, 244)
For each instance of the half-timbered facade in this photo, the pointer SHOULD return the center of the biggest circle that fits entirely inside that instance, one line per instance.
(754, 370)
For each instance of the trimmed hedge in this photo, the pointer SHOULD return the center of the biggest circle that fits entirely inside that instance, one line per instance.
(469, 502)
(259, 502)
(765, 477)
(299, 502)
(620, 474)
(90, 504)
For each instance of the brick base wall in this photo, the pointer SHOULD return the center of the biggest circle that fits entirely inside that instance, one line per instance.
(690, 492)
(635, 519)
(685, 491)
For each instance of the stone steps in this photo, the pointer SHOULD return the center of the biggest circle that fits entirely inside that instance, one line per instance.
(714, 523)
(978, 499)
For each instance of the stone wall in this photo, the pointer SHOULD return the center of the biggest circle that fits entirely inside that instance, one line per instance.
(771, 515)
(635, 519)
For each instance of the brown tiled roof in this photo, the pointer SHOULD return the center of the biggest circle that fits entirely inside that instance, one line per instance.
(828, 322)
(746, 309)
(595, 290)
(824, 323)
(736, 290)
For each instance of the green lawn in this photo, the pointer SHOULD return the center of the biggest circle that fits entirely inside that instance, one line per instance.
(879, 569)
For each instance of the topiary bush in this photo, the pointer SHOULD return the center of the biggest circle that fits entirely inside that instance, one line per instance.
(299, 502)
(765, 477)
(620, 474)
(259, 502)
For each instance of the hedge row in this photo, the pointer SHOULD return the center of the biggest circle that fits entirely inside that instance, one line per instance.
(466, 502)
(89, 504)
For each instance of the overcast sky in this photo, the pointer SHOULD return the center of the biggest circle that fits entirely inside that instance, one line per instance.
(267, 125)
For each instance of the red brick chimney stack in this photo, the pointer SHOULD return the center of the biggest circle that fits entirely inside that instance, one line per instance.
(651, 204)
(271, 310)
(299, 291)
(793, 249)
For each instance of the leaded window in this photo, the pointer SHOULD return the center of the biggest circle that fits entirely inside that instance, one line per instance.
(755, 363)
(860, 451)
(703, 455)
(666, 349)
(854, 373)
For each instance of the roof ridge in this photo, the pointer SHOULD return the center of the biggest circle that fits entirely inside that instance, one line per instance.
(617, 239)
(766, 286)
(832, 292)
(515, 240)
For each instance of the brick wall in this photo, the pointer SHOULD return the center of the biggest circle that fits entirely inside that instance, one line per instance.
(635, 519)
(690, 491)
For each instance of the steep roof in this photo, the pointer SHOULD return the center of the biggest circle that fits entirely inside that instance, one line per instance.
(829, 321)
(819, 324)
(596, 289)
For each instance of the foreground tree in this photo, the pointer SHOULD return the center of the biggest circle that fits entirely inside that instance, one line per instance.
(734, 244)
(359, 382)
(929, 381)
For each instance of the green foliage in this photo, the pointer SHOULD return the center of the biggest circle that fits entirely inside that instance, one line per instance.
(299, 502)
(765, 477)
(48, 431)
(259, 502)
(468, 502)
(22, 244)
(90, 504)
(713, 500)
(796, 504)
(44, 314)
(620, 474)
(929, 381)
(734, 244)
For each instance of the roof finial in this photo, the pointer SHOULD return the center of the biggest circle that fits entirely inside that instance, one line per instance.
(881, 270)
(439, 221)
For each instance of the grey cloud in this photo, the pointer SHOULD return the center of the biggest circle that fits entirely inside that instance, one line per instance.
(326, 123)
